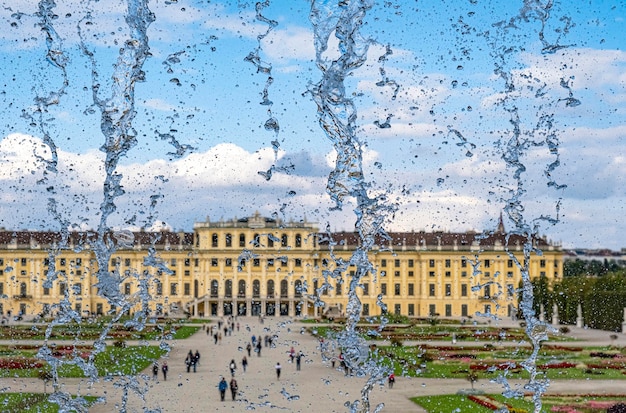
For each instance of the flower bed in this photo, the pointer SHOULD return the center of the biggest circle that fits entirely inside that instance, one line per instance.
(493, 404)
(70, 352)
(564, 348)
(561, 365)
(485, 401)
(603, 355)
(20, 363)
(607, 365)
(493, 366)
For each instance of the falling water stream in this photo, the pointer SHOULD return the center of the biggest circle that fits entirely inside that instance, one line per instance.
(347, 185)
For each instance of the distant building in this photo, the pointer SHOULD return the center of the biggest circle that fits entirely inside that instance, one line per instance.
(601, 255)
(259, 265)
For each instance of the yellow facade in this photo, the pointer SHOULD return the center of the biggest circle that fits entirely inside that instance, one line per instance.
(258, 265)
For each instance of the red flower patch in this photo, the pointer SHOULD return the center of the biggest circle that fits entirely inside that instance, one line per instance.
(20, 363)
(561, 365)
(507, 365)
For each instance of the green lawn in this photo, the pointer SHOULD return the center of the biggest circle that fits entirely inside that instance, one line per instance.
(448, 403)
(113, 361)
(414, 361)
(454, 403)
(88, 331)
(181, 332)
(31, 403)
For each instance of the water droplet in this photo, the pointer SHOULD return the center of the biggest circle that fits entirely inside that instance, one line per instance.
(272, 125)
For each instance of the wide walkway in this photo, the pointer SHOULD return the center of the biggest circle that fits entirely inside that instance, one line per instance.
(317, 387)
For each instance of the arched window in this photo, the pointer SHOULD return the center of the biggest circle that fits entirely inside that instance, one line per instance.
(297, 288)
(242, 240)
(298, 240)
(284, 240)
(229, 240)
(270, 240)
(23, 290)
(241, 290)
(214, 240)
(256, 242)
(284, 289)
(256, 289)
(228, 289)
(270, 288)
(214, 288)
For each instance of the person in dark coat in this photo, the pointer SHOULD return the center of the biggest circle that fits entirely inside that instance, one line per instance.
(164, 369)
(189, 360)
(298, 360)
(222, 386)
(155, 371)
(244, 363)
(233, 388)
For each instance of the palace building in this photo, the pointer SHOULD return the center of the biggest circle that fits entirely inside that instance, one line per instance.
(259, 265)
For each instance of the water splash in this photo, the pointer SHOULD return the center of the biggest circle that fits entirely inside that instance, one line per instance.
(514, 148)
(254, 57)
(58, 59)
(116, 125)
(337, 116)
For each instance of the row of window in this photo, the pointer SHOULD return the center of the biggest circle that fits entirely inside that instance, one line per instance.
(187, 261)
(298, 288)
(256, 240)
(77, 289)
(432, 310)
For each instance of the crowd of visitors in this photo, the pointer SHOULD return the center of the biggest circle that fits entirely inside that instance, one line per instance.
(256, 344)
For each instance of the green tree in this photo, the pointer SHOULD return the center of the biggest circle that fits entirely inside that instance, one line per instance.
(568, 293)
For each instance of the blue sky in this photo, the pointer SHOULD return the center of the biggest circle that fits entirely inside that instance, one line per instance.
(199, 89)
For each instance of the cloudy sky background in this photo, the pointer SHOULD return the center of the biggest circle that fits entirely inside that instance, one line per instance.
(199, 91)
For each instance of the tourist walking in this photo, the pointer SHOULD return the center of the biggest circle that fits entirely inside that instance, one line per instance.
(233, 388)
(192, 360)
(244, 363)
(222, 386)
(164, 369)
(392, 380)
(259, 346)
(278, 368)
(298, 360)
(232, 366)
(189, 360)
(197, 357)
(249, 348)
(155, 371)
